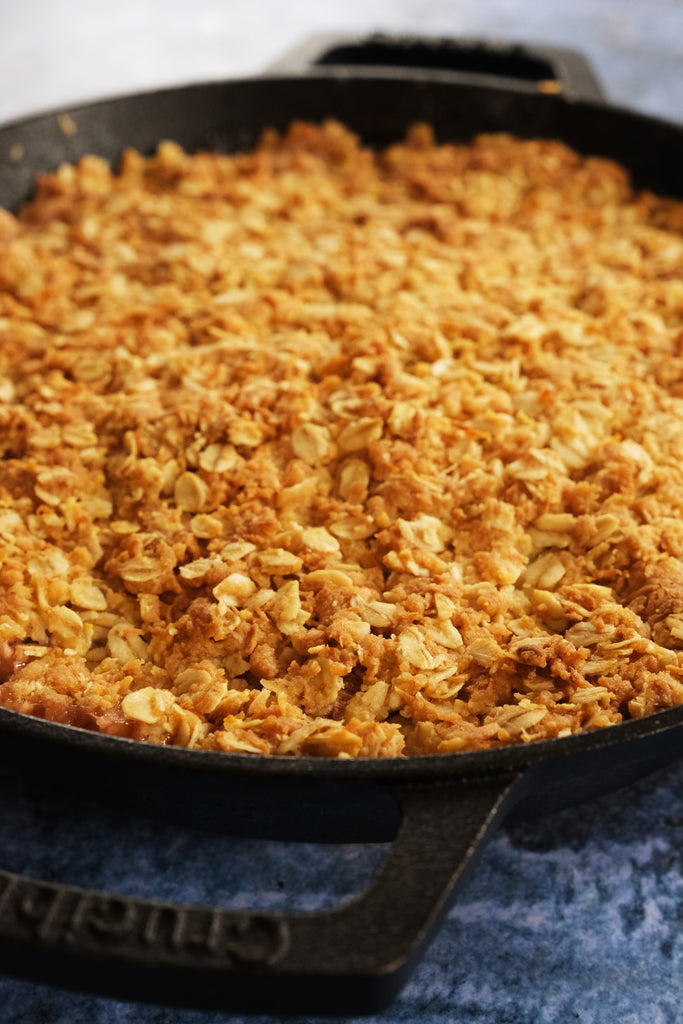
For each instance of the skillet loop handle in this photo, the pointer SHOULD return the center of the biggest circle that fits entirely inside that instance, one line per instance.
(352, 959)
(535, 67)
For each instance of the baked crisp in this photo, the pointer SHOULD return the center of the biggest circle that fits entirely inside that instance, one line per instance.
(314, 450)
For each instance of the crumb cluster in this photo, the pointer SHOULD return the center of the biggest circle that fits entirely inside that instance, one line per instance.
(315, 450)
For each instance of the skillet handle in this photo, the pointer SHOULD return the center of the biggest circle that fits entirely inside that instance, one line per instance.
(536, 67)
(349, 960)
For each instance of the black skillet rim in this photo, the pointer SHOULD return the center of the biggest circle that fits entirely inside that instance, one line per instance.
(462, 765)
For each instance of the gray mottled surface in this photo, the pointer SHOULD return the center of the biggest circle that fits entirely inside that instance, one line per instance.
(577, 918)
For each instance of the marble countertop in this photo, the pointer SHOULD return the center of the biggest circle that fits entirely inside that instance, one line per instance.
(575, 918)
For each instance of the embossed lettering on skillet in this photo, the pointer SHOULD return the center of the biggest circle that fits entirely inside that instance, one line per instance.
(62, 916)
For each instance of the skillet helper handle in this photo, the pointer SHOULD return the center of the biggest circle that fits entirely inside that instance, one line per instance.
(353, 958)
(539, 67)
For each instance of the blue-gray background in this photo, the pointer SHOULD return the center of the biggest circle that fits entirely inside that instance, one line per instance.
(576, 918)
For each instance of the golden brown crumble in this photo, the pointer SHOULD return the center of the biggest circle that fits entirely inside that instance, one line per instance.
(314, 450)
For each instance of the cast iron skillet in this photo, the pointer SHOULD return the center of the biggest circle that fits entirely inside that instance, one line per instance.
(437, 810)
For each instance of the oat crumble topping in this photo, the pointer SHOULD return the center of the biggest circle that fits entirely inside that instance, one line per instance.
(315, 450)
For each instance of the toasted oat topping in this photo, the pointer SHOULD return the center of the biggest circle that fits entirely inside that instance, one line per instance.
(314, 450)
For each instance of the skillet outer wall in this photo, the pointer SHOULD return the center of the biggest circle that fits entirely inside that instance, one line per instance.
(320, 800)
